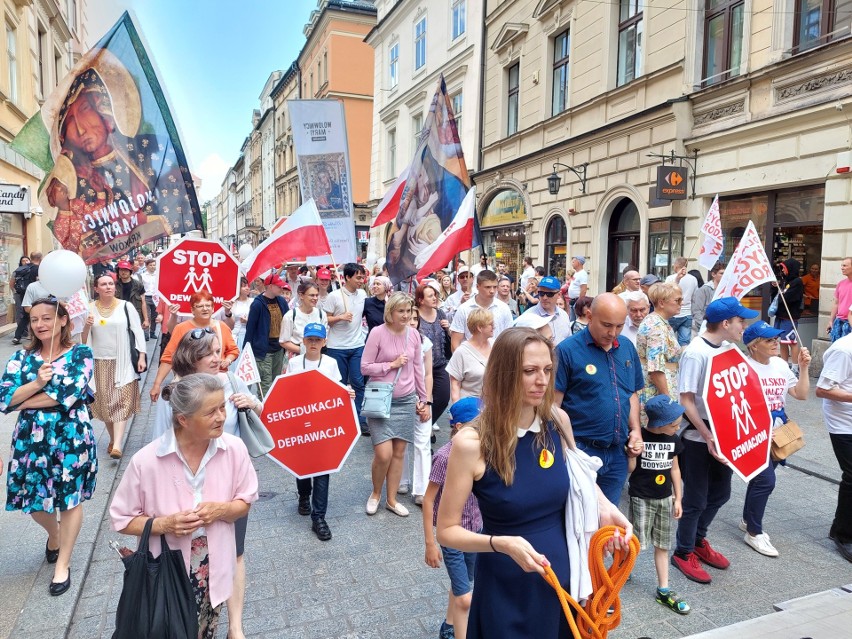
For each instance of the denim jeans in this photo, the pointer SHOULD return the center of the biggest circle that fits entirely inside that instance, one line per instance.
(706, 488)
(317, 489)
(349, 364)
(841, 527)
(613, 473)
(682, 326)
(757, 496)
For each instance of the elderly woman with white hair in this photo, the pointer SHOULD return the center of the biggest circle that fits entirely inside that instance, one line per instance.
(374, 307)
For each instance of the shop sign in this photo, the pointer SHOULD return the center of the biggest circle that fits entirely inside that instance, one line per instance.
(671, 182)
(14, 198)
(363, 237)
(507, 207)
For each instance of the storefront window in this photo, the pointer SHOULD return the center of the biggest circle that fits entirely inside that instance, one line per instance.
(556, 247)
(11, 250)
(665, 243)
(503, 232)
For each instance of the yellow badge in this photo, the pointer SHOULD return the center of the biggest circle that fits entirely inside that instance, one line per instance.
(545, 460)
(103, 322)
(661, 479)
(591, 369)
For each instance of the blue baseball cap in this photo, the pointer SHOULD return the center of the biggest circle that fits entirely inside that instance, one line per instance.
(760, 329)
(727, 307)
(549, 283)
(465, 410)
(662, 410)
(314, 330)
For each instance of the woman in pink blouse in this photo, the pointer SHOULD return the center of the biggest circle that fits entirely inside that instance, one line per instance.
(167, 479)
(394, 348)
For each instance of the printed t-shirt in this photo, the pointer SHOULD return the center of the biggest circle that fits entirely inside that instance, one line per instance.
(652, 478)
(777, 379)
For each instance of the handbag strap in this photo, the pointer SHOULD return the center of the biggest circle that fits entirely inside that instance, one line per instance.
(404, 347)
(146, 536)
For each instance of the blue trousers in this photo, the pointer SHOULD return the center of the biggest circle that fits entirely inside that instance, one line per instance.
(317, 489)
(682, 326)
(349, 364)
(613, 473)
(757, 496)
(706, 488)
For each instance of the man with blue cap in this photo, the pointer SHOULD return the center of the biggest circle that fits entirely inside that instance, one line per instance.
(706, 474)
(548, 289)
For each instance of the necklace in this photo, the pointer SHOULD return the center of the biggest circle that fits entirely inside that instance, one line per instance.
(106, 311)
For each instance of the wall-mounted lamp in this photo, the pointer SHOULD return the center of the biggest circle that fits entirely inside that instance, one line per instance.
(554, 181)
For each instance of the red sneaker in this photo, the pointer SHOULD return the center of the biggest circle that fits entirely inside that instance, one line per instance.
(691, 569)
(712, 558)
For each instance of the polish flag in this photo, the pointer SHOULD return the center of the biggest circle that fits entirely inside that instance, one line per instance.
(389, 206)
(299, 237)
(713, 244)
(457, 237)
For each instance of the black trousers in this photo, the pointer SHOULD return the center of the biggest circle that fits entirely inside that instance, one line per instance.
(440, 391)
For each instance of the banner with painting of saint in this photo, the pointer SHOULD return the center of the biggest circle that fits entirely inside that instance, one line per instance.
(436, 186)
(322, 155)
(116, 173)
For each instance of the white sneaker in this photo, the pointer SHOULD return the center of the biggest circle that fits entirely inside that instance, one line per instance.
(761, 544)
(743, 526)
(403, 489)
(435, 427)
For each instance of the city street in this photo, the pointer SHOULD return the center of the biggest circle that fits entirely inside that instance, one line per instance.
(370, 581)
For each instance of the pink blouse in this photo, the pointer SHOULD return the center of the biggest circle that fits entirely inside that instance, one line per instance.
(382, 348)
(157, 487)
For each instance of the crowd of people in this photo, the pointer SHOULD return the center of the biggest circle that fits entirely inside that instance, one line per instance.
(590, 398)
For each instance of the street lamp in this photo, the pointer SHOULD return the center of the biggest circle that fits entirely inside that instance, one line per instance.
(554, 181)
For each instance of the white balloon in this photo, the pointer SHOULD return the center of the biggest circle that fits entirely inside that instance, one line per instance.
(62, 273)
(246, 250)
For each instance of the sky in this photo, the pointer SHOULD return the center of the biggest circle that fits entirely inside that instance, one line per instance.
(212, 58)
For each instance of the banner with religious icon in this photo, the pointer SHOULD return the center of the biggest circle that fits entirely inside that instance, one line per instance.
(117, 175)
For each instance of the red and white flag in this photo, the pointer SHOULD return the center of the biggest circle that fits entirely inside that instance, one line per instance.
(246, 369)
(301, 236)
(459, 236)
(388, 208)
(749, 267)
(713, 243)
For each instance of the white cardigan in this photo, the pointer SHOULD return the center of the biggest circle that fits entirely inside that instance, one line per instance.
(581, 518)
(109, 340)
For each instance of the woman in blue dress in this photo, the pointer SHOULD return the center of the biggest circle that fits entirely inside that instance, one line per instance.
(514, 463)
(53, 462)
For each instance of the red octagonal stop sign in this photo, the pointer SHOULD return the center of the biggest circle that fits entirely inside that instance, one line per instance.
(194, 265)
(313, 422)
(739, 416)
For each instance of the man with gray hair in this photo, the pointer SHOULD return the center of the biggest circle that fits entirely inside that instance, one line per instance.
(638, 308)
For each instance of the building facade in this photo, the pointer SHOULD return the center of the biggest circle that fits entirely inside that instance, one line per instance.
(748, 95)
(41, 41)
(287, 191)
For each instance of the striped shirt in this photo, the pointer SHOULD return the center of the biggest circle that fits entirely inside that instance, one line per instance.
(471, 518)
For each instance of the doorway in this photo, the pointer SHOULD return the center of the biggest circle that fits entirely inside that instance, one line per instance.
(623, 245)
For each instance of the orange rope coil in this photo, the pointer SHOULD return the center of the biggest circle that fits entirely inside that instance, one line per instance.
(594, 621)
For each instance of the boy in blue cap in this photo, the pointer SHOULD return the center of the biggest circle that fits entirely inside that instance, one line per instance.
(459, 564)
(655, 491)
(314, 339)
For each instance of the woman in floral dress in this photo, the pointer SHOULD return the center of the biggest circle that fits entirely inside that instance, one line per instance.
(53, 464)
(657, 345)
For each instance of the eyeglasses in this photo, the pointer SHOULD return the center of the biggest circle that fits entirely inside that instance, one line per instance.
(547, 293)
(679, 300)
(463, 276)
(201, 307)
(199, 333)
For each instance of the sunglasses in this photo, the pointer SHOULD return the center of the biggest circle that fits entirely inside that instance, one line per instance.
(198, 333)
(679, 300)
(463, 276)
(547, 293)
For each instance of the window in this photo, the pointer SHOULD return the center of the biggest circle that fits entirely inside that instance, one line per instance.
(420, 44)
(312, 84)
(42, 71)
(723, 40)
(12, 54)
(416, 128)
(513, 98)
(57, 66)
(820, 21)
(561, 46)
(459, 18)
(319, 72)
(458, 103)
(391, 153)
(72, 16)
(556, 247)
(394, 65)
(325, 66)
(629, 41)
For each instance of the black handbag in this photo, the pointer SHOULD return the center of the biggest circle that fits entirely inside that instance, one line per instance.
(134, 352)
(157, 598)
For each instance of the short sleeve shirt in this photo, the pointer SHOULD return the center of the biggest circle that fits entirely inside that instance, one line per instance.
(843, 296)
(581, 278)
(344, 335)
(777, 379)
(500, 311)
(471, 518)
(597, 386)
(652, 478)
(326, 365)
(837, 374)
(467, 365)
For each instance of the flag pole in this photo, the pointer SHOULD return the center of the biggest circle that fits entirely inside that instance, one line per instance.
(790, 315)
(342, 294)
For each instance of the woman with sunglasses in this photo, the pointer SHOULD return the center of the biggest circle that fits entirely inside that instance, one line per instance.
(202, 317)
(199, 352)
(116, 375)
(54, 461)
(657, 345)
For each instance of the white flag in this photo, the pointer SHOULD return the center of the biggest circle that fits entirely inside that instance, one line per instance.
(749, 267)
(247, 366)
(713, 243)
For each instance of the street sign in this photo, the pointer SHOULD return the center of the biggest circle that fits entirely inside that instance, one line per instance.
(738, 414)
(195, 265)
(313, 422)
(671, 182)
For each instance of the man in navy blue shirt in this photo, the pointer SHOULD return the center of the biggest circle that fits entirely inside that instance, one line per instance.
(597, 384)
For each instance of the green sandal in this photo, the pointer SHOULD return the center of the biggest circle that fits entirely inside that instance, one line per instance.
(671, 600)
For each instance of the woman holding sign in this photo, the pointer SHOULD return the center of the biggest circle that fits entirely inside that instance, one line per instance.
(108, 328)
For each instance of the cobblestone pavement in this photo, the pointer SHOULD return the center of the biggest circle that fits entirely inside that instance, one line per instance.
(370, 581)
